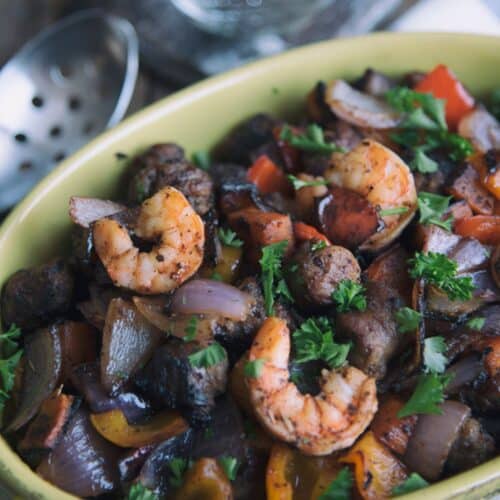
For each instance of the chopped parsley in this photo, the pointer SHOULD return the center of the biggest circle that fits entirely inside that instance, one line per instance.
(201, 159)
(476, 323)
(312, 140)
(139, 492)
(178, 467)
(318, 245)
(230, 466)
(10, 354)
(413, 482)
(217, 276)
(424, 128)
(140, 191)
(273, 281)
(229, 238)
(427, 395)
(209, 356)
(439, 270)
(253, 368)
(299, 184)
(434, 359)
(191, 329)
(393, 211)
(340, 487)
(349, 296)
(432, 208)
(313, 340)
(407, 319)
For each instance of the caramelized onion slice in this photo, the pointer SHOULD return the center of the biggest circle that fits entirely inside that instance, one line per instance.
(83, 211)
(358, 108)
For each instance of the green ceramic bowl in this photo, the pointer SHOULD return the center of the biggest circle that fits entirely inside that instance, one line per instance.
(196, 118)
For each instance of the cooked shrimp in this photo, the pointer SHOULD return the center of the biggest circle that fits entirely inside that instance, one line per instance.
(317, 425)
(168, 218)
(383, 178)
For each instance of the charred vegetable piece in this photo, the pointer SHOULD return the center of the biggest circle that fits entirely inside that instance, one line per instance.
(292, 475)
(129, 340)
(374, 83)
(390, 430)
(315, 274)
(31, 297)
(45, 430)
(83, 211)
(227, 266)
(131, 462)
(206, 479)
(376, 470)
(78, 345)
(346, 218)
(485, 228)
(83, 463)
(267, 176)
(434, 435)
(42, 372)
(171, 381)
(481, 128)
(113, 426)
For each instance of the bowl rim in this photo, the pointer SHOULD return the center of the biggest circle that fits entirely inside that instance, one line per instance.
(14, 472)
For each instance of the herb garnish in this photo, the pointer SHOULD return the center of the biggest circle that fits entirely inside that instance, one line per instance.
(230, 466)
(201, 159)
(393, 211)
(229, 238)
(139, 492)
(216, 276)
(299, 183)
(178, 467)
(313, 140)
(432, 208)
(318, 245)
(427, 395)
(413, 482)
(434, 359)
(476, 323)
(207, 357)
(407, 319)
(254, 368)
(314, 340)
(273, 282)
(340, 487)
(349, 296)
(439, 270)
(10, 354)
(191, 329)
(424, 128)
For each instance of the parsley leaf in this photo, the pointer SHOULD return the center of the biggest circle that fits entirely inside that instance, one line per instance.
(230, 466)
(216, 276)
(313, 140)
(10, 354)
(441, 271)
(191, 329)
(273, 282)
(318, 245)
(340, 487)
(254, 368)
(434, 359)
(413, 482)
(407, 319)
(423, 163)
(432, 207)
(299, 184)
(314, 340)
(349, 295)
(229, 238)
(201, 159)
(207, 357)
(427, 395)
(393, 211)
(476, 323)
(178, 467)
(139, 492)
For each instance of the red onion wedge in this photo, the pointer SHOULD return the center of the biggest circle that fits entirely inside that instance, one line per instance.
(211, 297)
(83, 211)
(433, 438)
(83, 463)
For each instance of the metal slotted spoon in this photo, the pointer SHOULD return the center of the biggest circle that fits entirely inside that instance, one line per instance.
(63, 88)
